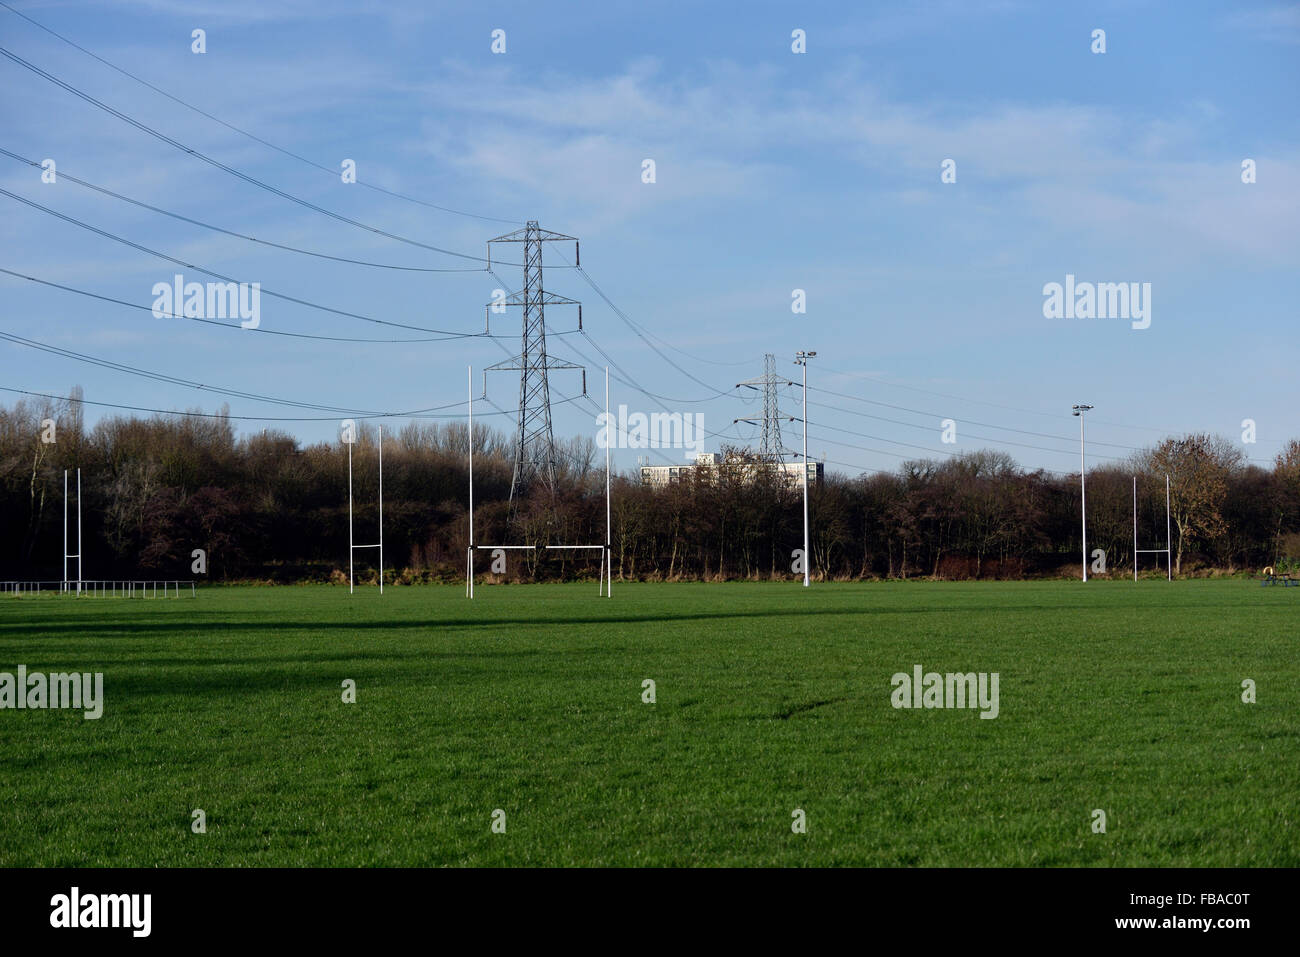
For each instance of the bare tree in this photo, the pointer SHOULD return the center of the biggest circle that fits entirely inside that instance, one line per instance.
(1198, 467)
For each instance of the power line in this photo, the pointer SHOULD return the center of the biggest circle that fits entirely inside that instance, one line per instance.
(982, 438)
(994, 405)
(644, 338)
(626, 378)
(242, 418)
(861, 470)
(632, 384)
(209, 272)
(863, 448)
(638, 329)
(567, 398)
(654, 395)
(214, 322)
(592, 402)
(881, 438)
(622, 431)
(215, 415)
(243, 132)
(644, 332)
(145, 128)
(645, 335)
(942, 395)
(987, 425)
(175, 380)
(252, 239)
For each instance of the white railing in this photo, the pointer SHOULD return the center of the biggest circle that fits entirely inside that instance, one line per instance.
(101, 588)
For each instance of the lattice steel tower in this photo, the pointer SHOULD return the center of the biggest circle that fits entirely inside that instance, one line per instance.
(770, 448)
(534, 440)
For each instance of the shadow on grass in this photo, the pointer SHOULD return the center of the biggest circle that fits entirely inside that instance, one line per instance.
(67, 627)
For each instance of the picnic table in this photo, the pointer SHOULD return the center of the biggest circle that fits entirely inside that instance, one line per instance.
(1286, 580)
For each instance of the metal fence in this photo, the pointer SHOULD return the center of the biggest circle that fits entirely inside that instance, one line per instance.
(106, 588)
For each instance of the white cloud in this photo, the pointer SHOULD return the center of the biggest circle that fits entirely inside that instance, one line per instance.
(735, 134)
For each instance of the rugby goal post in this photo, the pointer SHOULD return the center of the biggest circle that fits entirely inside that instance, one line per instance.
(66, 583)
(606, 586)
(350, 440)
(469, 558)
(1167, 550)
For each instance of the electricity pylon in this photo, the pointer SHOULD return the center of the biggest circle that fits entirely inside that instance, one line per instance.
(770, 447)
(534, 439)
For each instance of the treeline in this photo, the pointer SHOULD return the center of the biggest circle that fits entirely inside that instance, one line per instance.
(262, 507)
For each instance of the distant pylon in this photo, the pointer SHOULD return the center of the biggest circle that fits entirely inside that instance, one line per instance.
(534, 439)
(770, 448)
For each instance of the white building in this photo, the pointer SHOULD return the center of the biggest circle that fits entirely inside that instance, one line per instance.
(659, 475)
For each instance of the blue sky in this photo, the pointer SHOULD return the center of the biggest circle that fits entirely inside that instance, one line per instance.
(774, 171)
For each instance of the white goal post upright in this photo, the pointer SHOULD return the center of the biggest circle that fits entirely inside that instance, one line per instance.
(609, 552)
(1169, 529)
(352, 582)
(1167, 551)
(469, 552)
(66, 554)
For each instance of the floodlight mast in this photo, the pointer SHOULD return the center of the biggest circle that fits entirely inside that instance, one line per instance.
(801, 359)
(1079, 410)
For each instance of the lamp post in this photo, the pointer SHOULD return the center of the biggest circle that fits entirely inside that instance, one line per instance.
(801, 359)
(1079, 410)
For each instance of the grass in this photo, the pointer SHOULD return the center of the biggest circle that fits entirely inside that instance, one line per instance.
(769, 698)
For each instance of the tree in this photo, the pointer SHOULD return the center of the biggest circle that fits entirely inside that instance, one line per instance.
(1198, 467)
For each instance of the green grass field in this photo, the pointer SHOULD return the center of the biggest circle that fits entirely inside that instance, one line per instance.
(769, 698)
